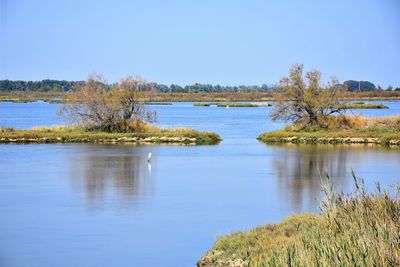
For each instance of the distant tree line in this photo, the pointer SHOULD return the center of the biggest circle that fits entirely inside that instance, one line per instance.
(359, 85)
(352, 85)
(64, 86)
(206, 88)
(57, 85)
(44, 85)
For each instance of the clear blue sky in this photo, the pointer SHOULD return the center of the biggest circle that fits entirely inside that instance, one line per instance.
(225, 42)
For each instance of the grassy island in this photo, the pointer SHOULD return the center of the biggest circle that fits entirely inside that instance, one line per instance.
(158, 103)
(233, 105)
(203, 104)
(31, 100)
(317, 113)
(147, 135)
(346, 129)
(28, 97)
(363, 105)
(358, 229)
(242, 105)
(109, 115)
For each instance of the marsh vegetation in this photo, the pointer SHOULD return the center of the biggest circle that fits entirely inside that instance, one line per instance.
(232, 104)
(341, 129)
(356, 229)
(31, 96)
(363, 105)
(99, 114)
(316, 113)
(141, 133)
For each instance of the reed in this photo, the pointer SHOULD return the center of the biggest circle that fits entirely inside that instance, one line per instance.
(356, 229)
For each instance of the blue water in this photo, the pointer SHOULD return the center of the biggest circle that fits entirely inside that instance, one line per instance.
(104, 205)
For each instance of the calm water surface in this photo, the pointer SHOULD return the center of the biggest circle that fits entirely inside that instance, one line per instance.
(104, 205)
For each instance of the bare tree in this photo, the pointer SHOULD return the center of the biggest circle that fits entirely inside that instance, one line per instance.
(306, 100)
(130, 94)
(96, 105)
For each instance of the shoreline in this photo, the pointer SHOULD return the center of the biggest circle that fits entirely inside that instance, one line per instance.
(73, 135)
(388, 138)
(59, 97)
(359, 228)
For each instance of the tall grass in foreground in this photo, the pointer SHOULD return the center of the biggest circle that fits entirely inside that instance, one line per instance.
(356, 229)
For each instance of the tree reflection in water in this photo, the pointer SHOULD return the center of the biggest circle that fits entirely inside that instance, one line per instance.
(111, 175)
(300, 168)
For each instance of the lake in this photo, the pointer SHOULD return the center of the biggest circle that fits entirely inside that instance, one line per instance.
(105, 205)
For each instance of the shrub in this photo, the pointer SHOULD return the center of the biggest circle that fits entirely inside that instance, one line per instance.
(96, 105)
(306, 100)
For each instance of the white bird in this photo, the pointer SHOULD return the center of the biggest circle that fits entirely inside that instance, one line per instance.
(149, 157)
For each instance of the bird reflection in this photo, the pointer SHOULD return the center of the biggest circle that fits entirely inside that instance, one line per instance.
(149, 167)
(112, 175)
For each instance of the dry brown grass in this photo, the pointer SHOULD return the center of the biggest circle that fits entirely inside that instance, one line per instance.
(341, 129)
(351, 122)
(389, 123)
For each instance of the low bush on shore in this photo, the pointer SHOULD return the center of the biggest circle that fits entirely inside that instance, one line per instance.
(356, 229)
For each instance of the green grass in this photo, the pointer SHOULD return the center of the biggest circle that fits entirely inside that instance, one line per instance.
(150, 134)
(30, 100)
(233, 105)
(203, 104)
(332, 137)
(357, 229)
(18, 100)
(237, 105)
(158, 103)
(54, 101)
(363, 105)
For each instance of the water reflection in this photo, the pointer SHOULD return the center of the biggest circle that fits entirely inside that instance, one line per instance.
(111, 175)
(300, 169)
